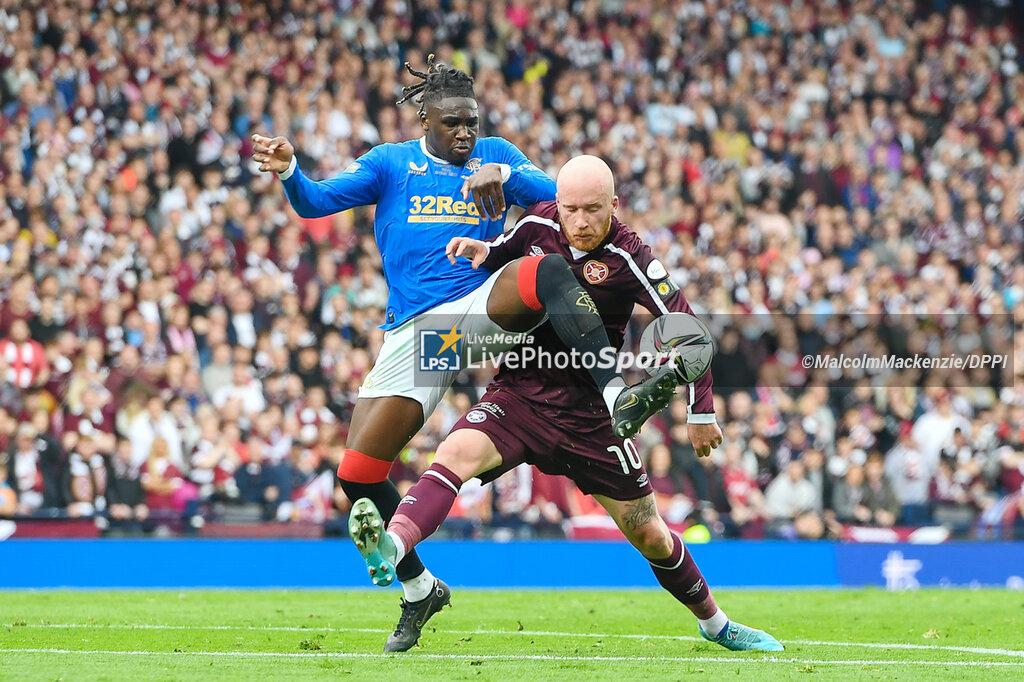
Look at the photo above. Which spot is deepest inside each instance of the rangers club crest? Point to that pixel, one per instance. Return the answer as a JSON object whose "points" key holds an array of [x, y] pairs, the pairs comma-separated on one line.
{"points": [[595, 271], [473, 165]]}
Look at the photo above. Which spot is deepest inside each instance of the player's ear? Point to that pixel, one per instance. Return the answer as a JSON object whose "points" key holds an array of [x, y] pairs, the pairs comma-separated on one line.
{"points": [[424, 121], [615, 202]]}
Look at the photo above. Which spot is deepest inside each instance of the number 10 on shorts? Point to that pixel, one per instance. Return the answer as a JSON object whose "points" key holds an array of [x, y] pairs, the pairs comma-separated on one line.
{"points": [[628, 452]]}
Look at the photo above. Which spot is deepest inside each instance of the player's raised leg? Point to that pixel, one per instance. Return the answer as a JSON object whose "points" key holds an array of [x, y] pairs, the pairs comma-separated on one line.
{"points": [[545, 284], [677, 572]]}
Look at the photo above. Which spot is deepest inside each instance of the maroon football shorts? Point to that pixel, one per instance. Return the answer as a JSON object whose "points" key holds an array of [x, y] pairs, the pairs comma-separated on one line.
{"points": [[579, 445]]}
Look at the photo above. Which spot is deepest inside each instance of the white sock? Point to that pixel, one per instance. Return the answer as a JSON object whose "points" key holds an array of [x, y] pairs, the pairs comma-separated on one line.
{"points": [[419, 587], [611, 392], [399, 547], [715, 624]]}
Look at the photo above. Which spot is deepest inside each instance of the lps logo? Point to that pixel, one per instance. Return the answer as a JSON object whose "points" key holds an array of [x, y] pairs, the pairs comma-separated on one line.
{"points": [[440, 351], [476, 416]]}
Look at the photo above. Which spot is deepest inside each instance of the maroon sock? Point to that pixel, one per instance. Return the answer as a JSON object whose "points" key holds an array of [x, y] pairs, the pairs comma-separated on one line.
{"points": [[425, 506], [680, 576]]}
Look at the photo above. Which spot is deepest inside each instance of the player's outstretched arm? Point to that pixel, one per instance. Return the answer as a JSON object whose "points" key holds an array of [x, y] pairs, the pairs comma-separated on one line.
{"points": [[358, 185], [274, 154]]}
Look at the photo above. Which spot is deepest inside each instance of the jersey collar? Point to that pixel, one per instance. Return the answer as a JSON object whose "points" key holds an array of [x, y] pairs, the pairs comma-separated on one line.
{"points": [[423, 148]]}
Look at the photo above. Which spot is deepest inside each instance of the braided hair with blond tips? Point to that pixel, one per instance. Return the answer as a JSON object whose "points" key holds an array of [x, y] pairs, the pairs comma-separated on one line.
{"points": [[440, 81]]}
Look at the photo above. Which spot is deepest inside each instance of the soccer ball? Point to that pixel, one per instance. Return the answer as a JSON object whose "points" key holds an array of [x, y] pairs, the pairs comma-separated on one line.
{"points": [[686, 337]]}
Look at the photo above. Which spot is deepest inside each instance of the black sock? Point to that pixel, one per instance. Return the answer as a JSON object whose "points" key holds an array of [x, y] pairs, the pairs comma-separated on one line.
{"points": [[385, 495], [574, 315]]}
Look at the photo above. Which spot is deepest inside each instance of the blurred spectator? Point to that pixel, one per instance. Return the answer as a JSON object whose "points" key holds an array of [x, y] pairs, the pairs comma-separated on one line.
{"points": [[848, 497], [674, 501], [260, 481], [218, 371], [24, 357], [25, 463], [910, 473], [934, 430], [792, 503], [879, 497], [8, 496], [51, 459], [1011, 472], [126, 498], [85, 478], [167, 491], [244, 389], [746, 502], [152, 423], [954, 494], [214, 460], [92, 416]]}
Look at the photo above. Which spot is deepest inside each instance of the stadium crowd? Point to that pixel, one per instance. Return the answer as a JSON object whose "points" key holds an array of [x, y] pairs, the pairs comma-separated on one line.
{"points": [[172, 334]]}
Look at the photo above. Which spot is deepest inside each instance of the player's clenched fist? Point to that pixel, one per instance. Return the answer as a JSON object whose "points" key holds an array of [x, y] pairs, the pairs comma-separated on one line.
{"points": [[272, 153], [465, 247]]}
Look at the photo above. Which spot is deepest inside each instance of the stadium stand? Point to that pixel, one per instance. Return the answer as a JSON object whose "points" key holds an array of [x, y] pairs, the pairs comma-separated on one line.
{"points": [[178, 348]]}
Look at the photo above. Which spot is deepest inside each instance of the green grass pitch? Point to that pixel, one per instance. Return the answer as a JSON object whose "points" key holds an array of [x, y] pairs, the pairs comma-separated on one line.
{"points": [[503, 635]]}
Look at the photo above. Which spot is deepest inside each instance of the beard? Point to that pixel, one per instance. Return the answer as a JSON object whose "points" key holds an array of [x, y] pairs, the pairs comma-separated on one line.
{"points": [[590, 242]]}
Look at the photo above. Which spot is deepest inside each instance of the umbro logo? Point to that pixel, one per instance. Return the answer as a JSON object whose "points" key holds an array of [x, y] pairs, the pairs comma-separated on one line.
{"points": [[642, 481], [695, 589], [408, 499], [536, 250], [417, 170]]}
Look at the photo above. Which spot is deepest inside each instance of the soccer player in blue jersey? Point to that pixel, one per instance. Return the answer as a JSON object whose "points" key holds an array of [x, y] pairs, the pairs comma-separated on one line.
{"points": [[421, 189]]}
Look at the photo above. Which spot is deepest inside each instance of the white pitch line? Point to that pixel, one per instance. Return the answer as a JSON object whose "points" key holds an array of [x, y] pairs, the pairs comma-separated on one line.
{"points": [[518, 657], [876, 645], [1014, 653], [809, 642]]}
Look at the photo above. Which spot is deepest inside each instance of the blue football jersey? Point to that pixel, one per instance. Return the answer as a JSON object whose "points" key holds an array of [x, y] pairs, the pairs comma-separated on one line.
{"points": [[419, 210]]}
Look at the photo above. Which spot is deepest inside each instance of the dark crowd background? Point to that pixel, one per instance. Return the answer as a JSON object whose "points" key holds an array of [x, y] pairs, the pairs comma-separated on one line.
{"points": [[178, 347]]}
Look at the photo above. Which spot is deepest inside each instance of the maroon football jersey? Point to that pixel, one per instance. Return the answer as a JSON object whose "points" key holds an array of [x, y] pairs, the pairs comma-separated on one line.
{"points": [[620, 272]]}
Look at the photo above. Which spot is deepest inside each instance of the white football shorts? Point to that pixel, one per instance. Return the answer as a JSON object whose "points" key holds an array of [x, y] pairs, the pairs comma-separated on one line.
{"points": [[408, 365]]}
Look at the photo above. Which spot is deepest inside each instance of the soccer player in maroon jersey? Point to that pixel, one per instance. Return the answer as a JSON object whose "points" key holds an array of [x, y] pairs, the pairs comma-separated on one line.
{"points": [[555, 418]]}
